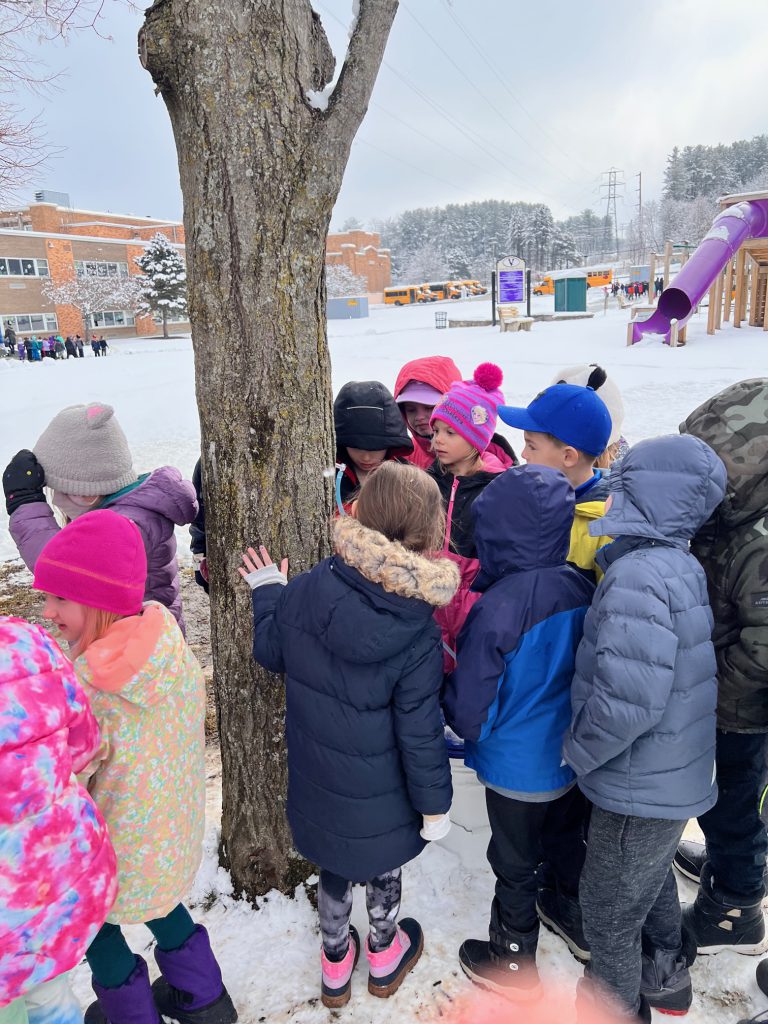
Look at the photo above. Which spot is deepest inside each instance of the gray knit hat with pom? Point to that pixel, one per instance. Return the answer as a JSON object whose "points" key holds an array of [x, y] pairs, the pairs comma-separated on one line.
{"points": [[84, 451]]}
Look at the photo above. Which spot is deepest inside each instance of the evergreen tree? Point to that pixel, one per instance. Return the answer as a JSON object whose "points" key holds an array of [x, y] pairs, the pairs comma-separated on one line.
{"points": [[165, 289], [675, 185]]}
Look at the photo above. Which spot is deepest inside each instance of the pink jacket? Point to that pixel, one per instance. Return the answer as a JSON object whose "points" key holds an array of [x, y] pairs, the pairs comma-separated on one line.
{"points": [[57, 867]]}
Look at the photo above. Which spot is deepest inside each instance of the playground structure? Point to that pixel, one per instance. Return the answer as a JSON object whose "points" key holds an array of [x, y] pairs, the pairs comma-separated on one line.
{"points": [[731, 263]]}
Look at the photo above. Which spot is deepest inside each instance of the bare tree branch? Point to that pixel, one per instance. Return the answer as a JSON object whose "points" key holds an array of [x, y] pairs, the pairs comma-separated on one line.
{"points": [[349, 101], [25, 25]]}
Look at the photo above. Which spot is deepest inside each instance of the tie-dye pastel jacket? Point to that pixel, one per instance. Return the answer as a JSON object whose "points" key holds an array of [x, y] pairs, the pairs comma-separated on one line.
{"points": [[147, 691], [57, 866]]}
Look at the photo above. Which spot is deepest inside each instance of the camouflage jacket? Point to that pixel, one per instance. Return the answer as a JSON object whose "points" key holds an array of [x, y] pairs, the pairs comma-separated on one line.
{"points": [[733, 549]]}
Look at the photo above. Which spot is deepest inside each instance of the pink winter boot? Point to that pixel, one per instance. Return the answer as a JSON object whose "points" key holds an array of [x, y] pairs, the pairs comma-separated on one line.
{"points": [[389, 967], [337, 976]]}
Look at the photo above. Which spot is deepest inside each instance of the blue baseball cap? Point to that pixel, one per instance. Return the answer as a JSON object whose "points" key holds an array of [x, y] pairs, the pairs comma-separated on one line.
{"points": [[574, 415]]}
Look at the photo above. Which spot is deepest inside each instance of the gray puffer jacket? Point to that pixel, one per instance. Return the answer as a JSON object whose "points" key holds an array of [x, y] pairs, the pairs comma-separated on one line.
{"points": [[642, 737]]}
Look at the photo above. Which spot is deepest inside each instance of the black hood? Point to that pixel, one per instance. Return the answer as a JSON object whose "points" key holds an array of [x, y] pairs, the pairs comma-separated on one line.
{"points": [[366, 416]]}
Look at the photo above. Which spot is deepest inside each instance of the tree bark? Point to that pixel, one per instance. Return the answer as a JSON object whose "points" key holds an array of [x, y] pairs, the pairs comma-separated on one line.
{"points": [[260, 171], [165, 323]]}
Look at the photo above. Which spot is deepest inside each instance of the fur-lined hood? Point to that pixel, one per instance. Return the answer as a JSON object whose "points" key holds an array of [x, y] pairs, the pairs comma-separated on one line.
{"points": [[394, 567]]}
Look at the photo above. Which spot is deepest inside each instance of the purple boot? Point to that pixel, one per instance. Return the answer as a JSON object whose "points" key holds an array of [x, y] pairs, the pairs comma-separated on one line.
{"points": [[191, 990], [129, 1003]]}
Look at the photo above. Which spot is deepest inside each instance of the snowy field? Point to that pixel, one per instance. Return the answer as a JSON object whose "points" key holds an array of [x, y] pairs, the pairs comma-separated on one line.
{"points": [[270, 956]]}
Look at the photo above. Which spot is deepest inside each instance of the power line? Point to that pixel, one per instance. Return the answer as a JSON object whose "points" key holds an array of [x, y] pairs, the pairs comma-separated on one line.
{"points": [[505, 85], [435, 142], [470, 134], [499, 113], [429, 174], [478, 141], [465, 130]]}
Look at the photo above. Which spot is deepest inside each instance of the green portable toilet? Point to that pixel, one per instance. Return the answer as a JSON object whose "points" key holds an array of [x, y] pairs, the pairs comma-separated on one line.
{"points": [[570, 291]]}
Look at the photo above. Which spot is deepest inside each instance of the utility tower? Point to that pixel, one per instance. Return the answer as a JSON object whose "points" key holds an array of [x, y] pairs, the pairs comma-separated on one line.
{"points": [[640, 224], [613, 180]]}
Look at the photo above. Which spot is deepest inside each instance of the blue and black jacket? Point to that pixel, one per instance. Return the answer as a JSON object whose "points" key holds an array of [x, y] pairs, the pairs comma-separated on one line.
{"points": [[510, 694]]}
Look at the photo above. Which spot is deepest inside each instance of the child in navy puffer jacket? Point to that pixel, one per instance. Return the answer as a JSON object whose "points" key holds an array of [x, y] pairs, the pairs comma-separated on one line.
{"points": [[368, 775], [510, 699]]}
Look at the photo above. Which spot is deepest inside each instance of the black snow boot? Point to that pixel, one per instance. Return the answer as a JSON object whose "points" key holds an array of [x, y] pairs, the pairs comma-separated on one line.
{"points": [[506, 964], [689, 859], [719, 920], [561, 913], [666, 982]]}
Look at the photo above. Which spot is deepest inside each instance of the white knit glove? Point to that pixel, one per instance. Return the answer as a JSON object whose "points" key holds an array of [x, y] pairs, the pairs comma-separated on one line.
{"points": [[264, 577], [436, 828]]}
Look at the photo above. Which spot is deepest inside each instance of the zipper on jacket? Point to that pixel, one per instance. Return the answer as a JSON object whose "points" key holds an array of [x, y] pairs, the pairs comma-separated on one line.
{"points": [[449, 514]]}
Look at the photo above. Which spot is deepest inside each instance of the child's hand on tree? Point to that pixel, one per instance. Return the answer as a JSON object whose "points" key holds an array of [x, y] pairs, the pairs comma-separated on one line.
{"points": [[260, 570]]}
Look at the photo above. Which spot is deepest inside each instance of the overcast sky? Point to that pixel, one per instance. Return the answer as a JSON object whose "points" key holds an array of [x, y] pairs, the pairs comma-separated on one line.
{"points": [[476, 99]]}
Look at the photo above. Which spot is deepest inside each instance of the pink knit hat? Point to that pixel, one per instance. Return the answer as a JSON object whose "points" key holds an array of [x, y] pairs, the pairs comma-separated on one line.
{"points": [[97, 560], [470, 406]]}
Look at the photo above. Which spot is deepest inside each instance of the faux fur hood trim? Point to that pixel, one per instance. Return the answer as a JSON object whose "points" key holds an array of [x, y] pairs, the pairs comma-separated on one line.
{"points": [[394, 567]]}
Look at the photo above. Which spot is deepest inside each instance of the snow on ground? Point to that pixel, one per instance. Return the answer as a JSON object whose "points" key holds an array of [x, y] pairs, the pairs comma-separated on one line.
{"points": [[269, 955]]}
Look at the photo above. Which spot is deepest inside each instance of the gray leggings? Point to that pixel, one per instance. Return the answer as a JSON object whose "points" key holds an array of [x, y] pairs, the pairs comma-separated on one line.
{"points": [[334, 904], [628, 897]]}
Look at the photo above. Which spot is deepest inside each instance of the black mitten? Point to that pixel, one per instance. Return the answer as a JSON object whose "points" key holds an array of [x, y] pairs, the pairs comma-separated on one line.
{"points": [[23, 480]]}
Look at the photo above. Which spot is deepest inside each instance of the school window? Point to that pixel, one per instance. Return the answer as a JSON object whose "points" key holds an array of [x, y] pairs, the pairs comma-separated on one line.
{"points": [[26, 322], [171, 318], [22, 267], [112, 318], [100, 268]]}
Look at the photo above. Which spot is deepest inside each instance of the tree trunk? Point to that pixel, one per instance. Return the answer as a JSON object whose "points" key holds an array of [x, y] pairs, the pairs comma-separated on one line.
{"points": [[165, 323], [260, 171]]}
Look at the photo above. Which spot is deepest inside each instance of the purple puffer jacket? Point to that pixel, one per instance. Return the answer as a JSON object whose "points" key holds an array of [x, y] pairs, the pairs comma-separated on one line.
{"points": [[161, 501]]}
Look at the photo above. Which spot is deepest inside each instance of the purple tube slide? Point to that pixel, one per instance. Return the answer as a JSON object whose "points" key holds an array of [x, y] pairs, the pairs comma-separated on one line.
{"points": [[730, 228]]}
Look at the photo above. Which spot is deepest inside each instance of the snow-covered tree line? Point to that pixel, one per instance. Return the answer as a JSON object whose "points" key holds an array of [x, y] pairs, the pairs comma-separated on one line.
{"points": [[712, 171], [462, 240]]}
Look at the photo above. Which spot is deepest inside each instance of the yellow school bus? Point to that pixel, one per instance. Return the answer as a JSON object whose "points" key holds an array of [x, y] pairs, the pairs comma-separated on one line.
{"points": [[599, 277], [444, 289], [406, 294], [544, 287], [474, 287]]}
